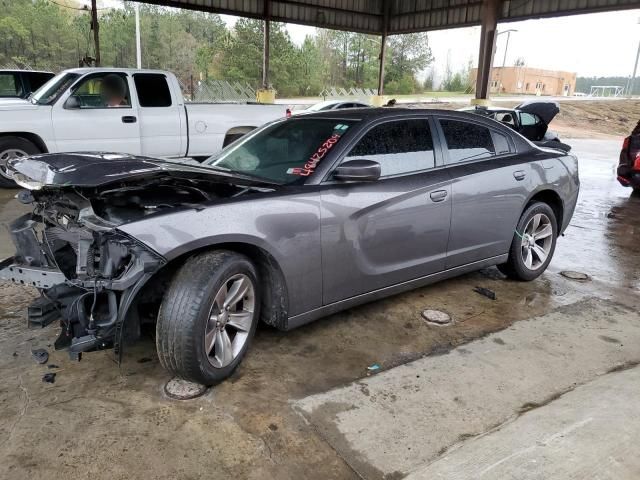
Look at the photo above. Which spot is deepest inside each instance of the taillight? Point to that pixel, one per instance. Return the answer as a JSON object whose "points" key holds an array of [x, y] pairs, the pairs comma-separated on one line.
{"points": [[288, 113], [636, 162]]}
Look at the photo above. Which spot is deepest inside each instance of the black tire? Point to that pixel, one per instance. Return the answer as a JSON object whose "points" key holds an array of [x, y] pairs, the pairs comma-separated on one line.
{"points": [[14, 143], [515, 267], [184, 313]]}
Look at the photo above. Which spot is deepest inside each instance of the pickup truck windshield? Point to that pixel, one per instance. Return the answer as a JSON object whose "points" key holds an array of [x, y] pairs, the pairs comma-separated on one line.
{"points": [[284, 151], [48, 93]]}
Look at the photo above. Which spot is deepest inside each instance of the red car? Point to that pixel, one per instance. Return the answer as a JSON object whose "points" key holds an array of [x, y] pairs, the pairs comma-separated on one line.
{"points": [[629, 165]]}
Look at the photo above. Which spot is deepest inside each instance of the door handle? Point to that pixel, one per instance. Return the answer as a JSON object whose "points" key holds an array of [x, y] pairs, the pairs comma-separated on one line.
{"points": [[519, 175], [438, 195], [129, 119]]}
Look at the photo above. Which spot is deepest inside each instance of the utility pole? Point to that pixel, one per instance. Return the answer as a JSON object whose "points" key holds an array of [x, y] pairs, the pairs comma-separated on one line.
{"points": [[633, 76], [96, 35], [138, 51], [506, 47]]}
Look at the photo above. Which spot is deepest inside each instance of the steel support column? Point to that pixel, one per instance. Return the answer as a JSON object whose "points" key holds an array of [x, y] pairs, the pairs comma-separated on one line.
{"points": [[490, 11], [383, 45], [383, 55], [265, 56]]}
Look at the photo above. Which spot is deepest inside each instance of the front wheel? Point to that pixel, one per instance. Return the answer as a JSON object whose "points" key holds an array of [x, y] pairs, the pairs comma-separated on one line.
{"points": [[533, 244], [208, 317], [10, 148]]}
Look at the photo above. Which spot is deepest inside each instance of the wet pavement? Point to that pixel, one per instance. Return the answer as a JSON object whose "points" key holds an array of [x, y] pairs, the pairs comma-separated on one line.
{"points": [[102, 420]]}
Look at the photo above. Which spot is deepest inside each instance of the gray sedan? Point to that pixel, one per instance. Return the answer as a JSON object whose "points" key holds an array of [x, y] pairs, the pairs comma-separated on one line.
{"points": [[299, 219]]}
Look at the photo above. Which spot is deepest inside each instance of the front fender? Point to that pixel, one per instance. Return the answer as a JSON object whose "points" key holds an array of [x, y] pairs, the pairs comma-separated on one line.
{"points": [[287, 228]]}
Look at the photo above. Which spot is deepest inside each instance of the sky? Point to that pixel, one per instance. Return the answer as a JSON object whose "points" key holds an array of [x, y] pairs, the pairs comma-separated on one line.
{"points": [[599, 44]]}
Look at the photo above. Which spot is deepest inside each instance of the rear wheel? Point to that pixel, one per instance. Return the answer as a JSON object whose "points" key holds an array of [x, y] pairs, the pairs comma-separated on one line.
{"points": [[533, 244], [208, 317], [10, 148]]}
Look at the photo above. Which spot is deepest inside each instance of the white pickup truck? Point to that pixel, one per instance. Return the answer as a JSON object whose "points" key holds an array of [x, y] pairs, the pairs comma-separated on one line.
{"points": [[80, 110]]}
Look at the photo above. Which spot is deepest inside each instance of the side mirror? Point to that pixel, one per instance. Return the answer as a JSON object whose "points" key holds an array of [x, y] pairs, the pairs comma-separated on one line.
{"points": [[357, 171], [72, 103]]}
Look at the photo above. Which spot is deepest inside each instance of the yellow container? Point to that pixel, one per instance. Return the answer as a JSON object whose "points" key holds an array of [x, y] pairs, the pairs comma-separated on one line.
{"points": [[266, 95], [481, 102], [378, 100]]}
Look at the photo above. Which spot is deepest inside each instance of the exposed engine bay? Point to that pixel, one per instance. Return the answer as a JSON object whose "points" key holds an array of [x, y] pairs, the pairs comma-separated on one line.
{"points": [[90, 274]]}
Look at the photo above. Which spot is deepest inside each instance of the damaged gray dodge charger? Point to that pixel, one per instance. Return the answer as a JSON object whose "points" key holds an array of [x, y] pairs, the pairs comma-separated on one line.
{"points": [[297, 220]]}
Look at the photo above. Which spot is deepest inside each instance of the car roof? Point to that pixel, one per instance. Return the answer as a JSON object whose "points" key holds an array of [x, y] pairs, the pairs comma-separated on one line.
{"points": [[113, 69], [487, 109], [17, 70], [372, 113]]}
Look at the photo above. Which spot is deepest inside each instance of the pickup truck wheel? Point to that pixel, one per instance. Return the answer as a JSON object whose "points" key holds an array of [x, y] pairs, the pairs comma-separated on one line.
{"points": [[208, 317], [533, 244], [232, 137], [10, 148]]}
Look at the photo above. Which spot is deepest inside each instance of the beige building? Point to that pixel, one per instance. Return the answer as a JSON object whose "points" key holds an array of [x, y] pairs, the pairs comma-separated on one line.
{"points": [[533, 81]]}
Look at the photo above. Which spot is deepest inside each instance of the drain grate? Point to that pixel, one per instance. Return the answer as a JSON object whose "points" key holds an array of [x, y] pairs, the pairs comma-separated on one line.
{"points": [[180, 389], [437, 317], [572, 275]]}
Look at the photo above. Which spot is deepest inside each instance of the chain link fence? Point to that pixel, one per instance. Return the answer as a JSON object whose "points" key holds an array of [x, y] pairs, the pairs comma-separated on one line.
{"points": [[210, 91], [17, 65], [339, 92]]}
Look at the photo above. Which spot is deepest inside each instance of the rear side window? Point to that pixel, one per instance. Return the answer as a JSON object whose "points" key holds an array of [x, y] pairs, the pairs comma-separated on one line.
{"points": [[399, 147], [37, 79], [467, 141], [9, 86], [153, 90], [528, 119]]}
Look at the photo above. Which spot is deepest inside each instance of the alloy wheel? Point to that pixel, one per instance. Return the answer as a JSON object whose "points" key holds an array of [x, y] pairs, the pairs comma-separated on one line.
{"points": [[537, 241], [230, 319], [9, 154]]}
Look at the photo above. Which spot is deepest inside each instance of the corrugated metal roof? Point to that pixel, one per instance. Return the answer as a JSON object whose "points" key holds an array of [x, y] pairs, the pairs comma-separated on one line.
{"points": [[402, 16]]}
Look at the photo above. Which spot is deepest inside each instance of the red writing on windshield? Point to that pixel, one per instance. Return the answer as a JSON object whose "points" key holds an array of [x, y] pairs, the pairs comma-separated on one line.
{"points": [[309, 167]]}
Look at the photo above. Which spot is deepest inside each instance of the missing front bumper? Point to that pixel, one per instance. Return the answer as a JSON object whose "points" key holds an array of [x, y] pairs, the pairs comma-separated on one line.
{"points": [[38, 277]]}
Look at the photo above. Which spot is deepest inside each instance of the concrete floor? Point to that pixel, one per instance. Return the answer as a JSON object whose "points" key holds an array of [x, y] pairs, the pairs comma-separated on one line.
{"points": [[103, 421]]}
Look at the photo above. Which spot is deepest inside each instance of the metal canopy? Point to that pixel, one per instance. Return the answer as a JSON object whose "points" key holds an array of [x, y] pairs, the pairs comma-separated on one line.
{"points": [[378, 17]]}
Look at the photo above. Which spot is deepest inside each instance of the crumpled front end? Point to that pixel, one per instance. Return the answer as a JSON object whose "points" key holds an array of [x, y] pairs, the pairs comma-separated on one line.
{"points": [[87, 271]]}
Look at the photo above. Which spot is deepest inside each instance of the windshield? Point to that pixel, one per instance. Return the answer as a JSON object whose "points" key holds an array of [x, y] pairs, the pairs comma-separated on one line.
{"points": [[51, 91], [283, 151]]}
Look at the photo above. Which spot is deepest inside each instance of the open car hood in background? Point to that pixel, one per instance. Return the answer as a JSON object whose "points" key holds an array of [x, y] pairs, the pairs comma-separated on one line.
{"points": [[546, 110]]}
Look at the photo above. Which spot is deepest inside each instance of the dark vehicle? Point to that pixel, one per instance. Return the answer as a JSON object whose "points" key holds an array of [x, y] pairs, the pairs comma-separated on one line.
{"points": [[297, 220], [531, 119], [629, 164], [21, 83]]}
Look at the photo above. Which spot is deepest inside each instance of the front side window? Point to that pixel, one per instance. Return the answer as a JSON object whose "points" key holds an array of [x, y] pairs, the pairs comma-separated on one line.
{"points": [[505, 117], [467, 141], [285, 151], [399, 147], [109, 90], [9, 85], [152, 89]]}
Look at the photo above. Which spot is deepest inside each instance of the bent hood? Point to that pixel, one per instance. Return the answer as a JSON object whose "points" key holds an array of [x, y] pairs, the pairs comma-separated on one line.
{"points": [[87, 169], [545, 110]]}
